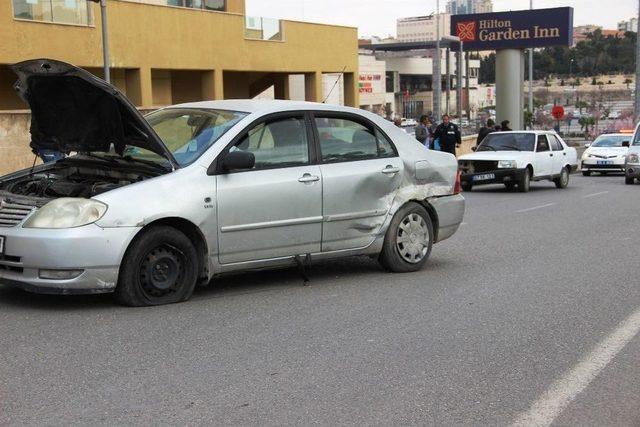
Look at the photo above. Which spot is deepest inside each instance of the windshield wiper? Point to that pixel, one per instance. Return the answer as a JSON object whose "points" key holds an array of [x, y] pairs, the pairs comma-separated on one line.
{"points": [[144, 162], [511, 146], [486, 146]]}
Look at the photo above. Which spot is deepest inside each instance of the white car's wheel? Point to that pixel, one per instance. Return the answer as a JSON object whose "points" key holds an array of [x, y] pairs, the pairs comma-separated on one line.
{"points": [[563, 180]]}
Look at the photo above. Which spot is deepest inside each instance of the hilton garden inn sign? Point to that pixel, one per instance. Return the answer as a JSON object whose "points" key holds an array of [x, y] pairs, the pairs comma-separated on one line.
{"points": [[515, 30]]}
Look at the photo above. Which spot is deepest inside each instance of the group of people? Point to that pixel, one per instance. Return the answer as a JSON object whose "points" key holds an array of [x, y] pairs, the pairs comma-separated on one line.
{"points": [[443, 137], [446, 136], [491, 127]]}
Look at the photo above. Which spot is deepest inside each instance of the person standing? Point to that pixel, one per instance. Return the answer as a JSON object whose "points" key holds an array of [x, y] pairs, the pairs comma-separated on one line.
{"points": [[504, 126], [398, 123], [485, 130], [423, 131], [449, 135]]}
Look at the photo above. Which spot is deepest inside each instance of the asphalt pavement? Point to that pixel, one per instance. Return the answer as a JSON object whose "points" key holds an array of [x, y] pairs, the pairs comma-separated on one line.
{"points": [[529, 313]]}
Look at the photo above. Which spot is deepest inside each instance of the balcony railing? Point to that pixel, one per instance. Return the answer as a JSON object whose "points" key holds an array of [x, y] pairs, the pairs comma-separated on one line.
{"points": [[263, 29]]}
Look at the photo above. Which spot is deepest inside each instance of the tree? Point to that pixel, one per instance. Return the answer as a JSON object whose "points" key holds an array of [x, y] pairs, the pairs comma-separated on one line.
{"points": [[627, 82], [528, 119], [594, 81]]}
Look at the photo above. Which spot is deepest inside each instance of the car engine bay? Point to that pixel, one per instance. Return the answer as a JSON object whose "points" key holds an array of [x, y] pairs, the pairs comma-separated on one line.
{"points": [[70, 180]]}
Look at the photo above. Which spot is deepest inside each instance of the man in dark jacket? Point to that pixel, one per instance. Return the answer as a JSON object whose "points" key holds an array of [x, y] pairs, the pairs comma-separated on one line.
{"points": [[449, 135], [485, 130], [504, 126]]}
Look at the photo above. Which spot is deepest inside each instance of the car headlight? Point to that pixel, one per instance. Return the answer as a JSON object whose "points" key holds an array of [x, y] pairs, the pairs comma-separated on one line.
{"points": [[67, 213], [633, 159], [507, 164]]}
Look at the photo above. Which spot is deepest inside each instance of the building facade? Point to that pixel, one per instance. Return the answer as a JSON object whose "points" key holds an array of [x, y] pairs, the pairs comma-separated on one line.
{"points": [[629, 25], [423, 28], [462, 7], [169, 51]]}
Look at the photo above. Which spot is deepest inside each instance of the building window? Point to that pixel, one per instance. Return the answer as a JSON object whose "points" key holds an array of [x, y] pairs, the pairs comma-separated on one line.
{"points": [[218, 5], [78, 12]]}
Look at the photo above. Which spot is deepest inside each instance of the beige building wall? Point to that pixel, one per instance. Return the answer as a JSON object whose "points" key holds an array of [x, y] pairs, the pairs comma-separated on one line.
{"points": [[144, 38]]}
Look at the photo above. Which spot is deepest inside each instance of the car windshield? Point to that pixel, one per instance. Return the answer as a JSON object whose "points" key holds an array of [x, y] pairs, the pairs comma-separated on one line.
{"points": [[187, 132], [610, 141], [508, 142]]}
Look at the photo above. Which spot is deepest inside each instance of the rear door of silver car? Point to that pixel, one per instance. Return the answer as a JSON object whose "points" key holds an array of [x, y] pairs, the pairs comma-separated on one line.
{"points": [[361, 172]]}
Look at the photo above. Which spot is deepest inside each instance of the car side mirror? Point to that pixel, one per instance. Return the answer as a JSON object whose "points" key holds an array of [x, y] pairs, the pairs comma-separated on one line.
{"points": [[474, 148], [625, 143], [238, 160]]}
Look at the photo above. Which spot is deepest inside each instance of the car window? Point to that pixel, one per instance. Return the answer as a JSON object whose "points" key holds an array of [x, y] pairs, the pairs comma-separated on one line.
{"points": [[556, 145], [543, 144], [509, 141], [277, 144], [187, 132], [610, 141], [347, 140]]}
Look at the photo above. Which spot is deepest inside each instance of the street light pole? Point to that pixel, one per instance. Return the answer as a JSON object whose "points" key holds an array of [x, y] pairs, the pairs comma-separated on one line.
{"points": [[437, 78], [637, 94], [530, 71], [105, 39]]}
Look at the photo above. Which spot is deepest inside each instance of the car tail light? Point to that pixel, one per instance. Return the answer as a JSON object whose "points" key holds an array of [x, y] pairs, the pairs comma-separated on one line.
{"points": [[457, 187]]}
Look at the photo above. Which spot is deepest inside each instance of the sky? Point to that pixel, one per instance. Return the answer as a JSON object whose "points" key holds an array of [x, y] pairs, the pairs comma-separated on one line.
{"points": [[378, 17]]}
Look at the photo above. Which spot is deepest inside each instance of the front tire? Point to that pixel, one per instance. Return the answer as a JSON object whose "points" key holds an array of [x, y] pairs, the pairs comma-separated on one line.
{"points": [[409, 239], [525, 182], [629, 180], [563, 180], [160, 267], [586, 173]]}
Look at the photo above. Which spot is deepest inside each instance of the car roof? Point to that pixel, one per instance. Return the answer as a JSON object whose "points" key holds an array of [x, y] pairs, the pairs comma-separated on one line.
{"points": [[264, 106], [533, 132]]}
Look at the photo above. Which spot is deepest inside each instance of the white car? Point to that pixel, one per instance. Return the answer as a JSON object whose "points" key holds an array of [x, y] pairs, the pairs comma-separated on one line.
{"points": [[517, 158], [606, 154]]}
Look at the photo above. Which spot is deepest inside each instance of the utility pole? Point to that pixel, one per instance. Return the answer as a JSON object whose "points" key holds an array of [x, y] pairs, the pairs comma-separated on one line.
{"points": [[105, 39], [637, 94], [530, 71], [437, 77]]}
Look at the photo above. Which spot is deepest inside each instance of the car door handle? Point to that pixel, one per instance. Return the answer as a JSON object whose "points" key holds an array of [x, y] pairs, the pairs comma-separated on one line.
{"points": [[390, 170], [564, 154], [307, 177], [551, 155]]}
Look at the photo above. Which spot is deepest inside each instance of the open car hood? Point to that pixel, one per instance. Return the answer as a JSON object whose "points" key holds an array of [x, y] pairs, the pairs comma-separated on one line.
{"points": [[72, 110]]}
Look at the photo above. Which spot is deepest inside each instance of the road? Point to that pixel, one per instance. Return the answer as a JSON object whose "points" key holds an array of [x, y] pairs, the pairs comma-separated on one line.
{"points": [[528, 314]]}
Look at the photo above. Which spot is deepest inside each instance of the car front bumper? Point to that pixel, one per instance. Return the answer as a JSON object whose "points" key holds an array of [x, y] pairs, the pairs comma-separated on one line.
{"points": [[591, 165], [500, 176], [94, 253]]}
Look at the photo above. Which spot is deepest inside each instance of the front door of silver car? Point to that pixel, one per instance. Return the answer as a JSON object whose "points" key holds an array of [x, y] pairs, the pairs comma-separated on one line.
{"points": [[361, 173], [273, 209]]}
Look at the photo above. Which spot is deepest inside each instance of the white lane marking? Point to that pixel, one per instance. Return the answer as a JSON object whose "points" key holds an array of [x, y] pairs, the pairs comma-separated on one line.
{"points": [[535, 207], [566, 388], [594, 194]]}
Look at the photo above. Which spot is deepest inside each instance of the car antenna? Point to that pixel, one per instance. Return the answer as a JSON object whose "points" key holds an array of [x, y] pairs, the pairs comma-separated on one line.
{"points": [[334, 85]]}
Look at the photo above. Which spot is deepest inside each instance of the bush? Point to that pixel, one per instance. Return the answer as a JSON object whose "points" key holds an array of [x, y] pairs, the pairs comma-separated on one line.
{"points": [[594, 82]]}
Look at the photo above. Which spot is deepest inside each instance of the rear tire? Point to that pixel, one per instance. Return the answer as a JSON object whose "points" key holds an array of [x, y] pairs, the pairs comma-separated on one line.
{"points": [[629, 180], [409, 240], [160, 267], [586, 173], [510, 186], [563, 180], [525, 182]]}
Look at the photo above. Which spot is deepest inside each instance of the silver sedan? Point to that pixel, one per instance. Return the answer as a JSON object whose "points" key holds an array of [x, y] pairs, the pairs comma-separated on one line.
{"points": [[147, 207]]}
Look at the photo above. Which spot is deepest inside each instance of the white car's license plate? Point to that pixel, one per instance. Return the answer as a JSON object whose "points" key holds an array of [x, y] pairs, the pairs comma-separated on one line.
{"points": [[484, 177], [605, 162], [1, 245]]}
